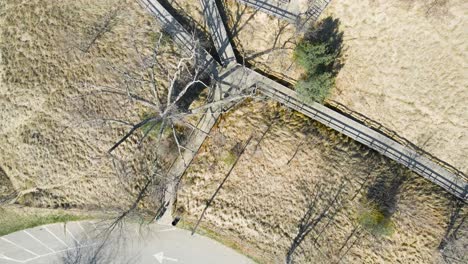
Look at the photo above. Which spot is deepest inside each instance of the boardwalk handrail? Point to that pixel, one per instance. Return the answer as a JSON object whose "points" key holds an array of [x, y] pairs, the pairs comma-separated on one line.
{"points": [[272, 9], [333, 119], [394, 135], [177, 31], [457, 186], [316, 9], [219, 34]]}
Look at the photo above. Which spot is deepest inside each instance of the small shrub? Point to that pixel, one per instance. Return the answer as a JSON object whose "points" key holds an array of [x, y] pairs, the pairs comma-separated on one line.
{"points": [[229, 158], [375, 222], [316, 88], [313, 57], [319, 53]]}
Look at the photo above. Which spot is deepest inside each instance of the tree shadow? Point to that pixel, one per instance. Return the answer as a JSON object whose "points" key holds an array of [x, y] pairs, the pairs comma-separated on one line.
{"points": [[453, 243], [7, 191], [322, 205], [327, 32], [100, 248], [383, 192], [192, 94]]}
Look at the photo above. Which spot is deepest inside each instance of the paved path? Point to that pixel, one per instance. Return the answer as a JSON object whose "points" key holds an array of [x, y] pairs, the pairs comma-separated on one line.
{"points": [[218, 32], [150, 244]]}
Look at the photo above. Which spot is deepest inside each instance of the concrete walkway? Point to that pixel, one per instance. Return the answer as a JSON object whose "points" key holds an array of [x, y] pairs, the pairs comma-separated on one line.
{"points": [[155, 243]]}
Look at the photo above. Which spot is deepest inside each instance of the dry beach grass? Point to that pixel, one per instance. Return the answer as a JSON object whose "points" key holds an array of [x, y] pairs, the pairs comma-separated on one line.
{"points": [[260, 205], [51, 145], [404, 65]]}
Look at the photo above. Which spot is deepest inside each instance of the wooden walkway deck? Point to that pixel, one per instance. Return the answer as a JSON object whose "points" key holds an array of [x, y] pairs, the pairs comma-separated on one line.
{"points": [[196, 138], [272, 9], [406, 156], [244, 78], [181, 36], [300, 18], [218, 32], [312, 14]]}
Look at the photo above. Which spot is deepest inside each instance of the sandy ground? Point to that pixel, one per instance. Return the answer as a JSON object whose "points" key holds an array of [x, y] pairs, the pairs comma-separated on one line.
{"points": [[51, 140], [261, 203]]}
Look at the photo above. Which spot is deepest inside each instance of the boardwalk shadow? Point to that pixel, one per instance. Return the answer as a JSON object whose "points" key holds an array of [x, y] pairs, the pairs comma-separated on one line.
{"points": [[191, 25], [192, 94]]}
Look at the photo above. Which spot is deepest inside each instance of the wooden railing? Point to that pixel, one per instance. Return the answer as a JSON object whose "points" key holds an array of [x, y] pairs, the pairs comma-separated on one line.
{"points": [[386, 146], [409, 157], [181, 36], [315, 10], [272, 10], [218, 31], [395, 136]]}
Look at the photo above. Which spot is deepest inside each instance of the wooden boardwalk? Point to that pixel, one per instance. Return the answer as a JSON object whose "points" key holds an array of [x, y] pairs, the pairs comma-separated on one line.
{"points": [[265, 6], [218, 32], [181, 36], [243, 78], [196, 138], [301, 19], [406, 156], [315, 10]]}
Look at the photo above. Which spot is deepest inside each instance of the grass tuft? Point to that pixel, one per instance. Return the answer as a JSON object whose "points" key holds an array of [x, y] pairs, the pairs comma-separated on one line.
{"points": [[11, 222], [375, 222]]}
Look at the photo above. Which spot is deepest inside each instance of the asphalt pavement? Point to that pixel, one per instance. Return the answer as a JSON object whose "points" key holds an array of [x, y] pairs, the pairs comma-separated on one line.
{"points": [[87, 242]]}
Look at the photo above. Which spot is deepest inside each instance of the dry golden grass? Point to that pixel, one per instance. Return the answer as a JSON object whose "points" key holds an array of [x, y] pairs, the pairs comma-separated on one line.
{"points": [[265, 42], [261, 203], [406, 68], [404, 65], [48, 138]]}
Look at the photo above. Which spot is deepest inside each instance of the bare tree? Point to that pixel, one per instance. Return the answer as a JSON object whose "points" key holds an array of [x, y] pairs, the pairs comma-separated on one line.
{"points": [[453, 244], [208, 203], [166, 86], [315, 213]]}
